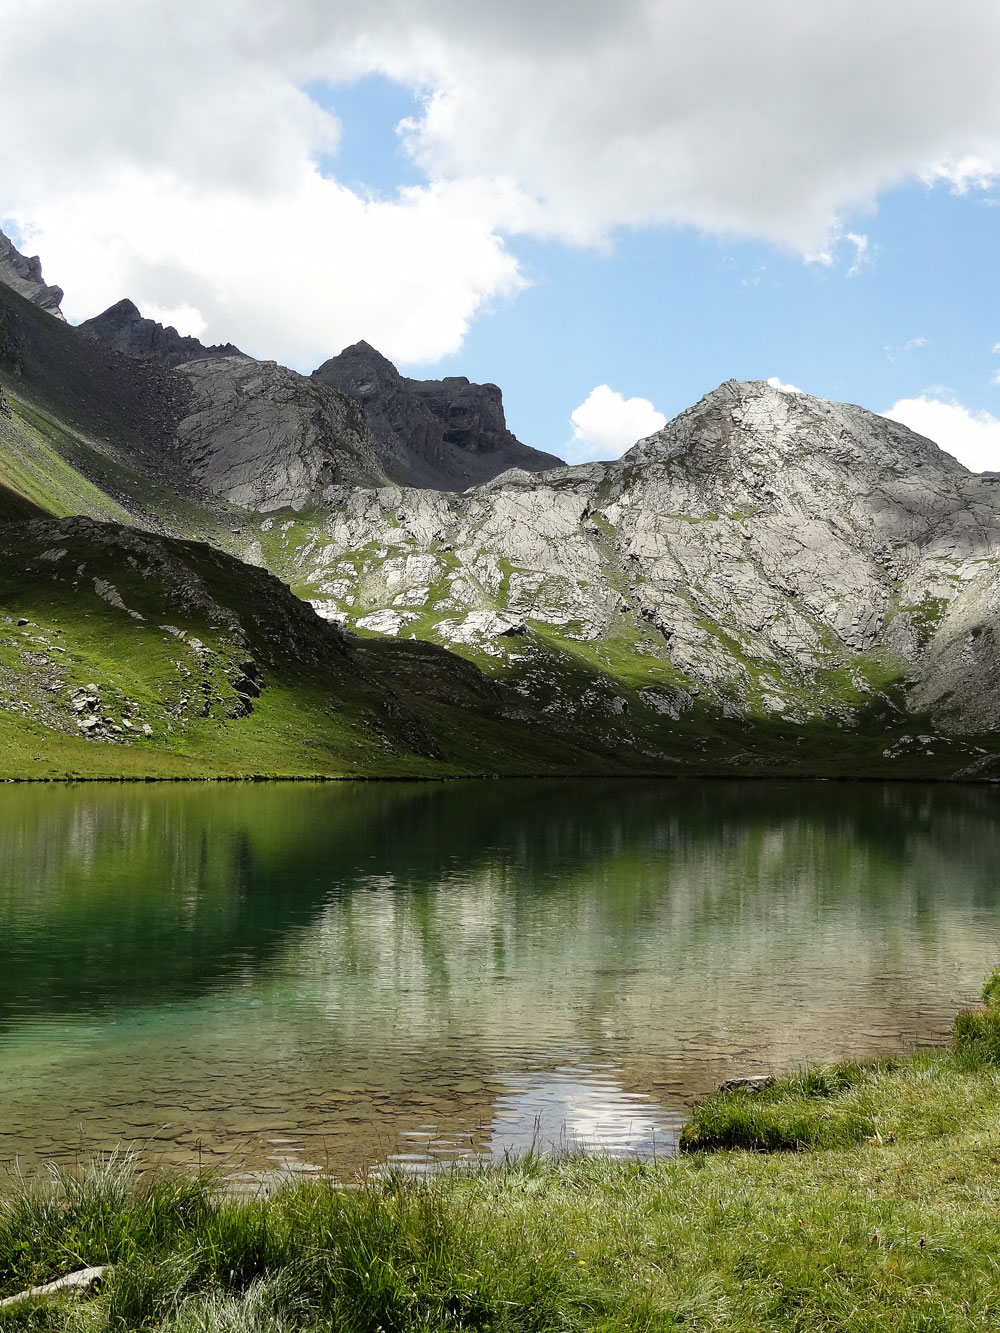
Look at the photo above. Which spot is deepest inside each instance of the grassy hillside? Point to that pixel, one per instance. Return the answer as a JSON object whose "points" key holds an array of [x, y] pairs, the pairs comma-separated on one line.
{"points": [[128, 654], [89, 433], [90, 429]]}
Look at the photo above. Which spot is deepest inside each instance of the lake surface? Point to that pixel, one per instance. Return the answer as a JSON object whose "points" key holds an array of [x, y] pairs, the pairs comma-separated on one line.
{"points": [[332, 977]]}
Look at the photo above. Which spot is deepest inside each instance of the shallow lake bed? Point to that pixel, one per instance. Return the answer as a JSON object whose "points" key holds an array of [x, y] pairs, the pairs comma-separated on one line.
{"points": [[330, 977]]}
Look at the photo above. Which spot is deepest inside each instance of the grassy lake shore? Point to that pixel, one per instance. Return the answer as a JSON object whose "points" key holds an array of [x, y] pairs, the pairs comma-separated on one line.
{"points": [[858, 1197]]}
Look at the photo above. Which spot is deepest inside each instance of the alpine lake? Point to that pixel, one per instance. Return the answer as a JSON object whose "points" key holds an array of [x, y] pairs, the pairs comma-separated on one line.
{"points": [[336, 978]]}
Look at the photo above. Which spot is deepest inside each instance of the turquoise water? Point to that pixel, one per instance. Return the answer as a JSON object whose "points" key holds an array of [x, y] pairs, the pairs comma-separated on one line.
{"points": [[328, 977]]}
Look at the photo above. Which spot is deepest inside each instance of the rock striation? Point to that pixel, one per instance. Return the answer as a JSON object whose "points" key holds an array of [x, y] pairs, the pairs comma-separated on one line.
{"points": [[124, 329], [447, 434], [767, 561], [24, 275], [767, 552], [265, 438]]}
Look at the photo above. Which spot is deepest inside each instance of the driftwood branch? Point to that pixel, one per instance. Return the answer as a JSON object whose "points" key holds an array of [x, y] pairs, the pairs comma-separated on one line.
{"points": [[78, 1283]]}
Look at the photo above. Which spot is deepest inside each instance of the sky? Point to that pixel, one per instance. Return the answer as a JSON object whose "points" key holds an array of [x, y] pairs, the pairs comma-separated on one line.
{"points": [[606, 210]]}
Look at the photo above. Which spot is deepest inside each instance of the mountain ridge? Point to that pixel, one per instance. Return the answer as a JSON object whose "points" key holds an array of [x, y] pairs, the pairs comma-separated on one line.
{"points": [[770, 583], [24, 274], [123, 328]]}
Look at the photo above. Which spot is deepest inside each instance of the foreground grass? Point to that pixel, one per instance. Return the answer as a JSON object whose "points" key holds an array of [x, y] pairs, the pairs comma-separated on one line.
{"points": [[883, 1212]]}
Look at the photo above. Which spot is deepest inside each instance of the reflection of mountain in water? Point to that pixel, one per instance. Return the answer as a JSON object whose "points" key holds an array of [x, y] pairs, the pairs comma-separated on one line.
{"points": [[125, 896], [319, 970]]}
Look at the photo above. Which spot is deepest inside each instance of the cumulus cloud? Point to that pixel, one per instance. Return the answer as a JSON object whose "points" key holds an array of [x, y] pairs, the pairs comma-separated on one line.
{"points": [[564, 120], [775, 383], [296, 275], [733, 117], [971, 437], [606, 424]]}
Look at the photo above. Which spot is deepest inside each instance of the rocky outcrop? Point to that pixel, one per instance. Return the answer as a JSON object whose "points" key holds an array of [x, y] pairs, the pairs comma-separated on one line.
{"points": [[24, 275], [448, 434], [769, 553], [265, 438], [123, 328]]}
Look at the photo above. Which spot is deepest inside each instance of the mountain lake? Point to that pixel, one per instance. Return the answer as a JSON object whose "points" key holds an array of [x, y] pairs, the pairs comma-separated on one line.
{"points": [[305, 978]]}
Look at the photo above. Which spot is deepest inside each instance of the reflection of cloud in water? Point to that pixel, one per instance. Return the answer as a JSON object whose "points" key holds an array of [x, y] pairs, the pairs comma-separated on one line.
{"points": [[578, 1108], [571, 1108]]}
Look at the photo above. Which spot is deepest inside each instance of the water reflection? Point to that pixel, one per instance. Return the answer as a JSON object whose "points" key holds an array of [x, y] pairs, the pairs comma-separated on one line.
{"points": [[303, 977], [571, 1108]]}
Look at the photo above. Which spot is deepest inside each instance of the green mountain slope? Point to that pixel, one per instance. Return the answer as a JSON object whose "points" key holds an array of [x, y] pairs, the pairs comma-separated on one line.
{"points": [[90, 431], [125, 653], [771, 584]]}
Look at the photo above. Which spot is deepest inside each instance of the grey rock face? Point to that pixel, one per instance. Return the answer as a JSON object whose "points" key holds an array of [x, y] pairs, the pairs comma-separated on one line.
{"points": [[448, 434], [265, 438], [262, 436], [123, 328], [24, 275], [767, 551]]}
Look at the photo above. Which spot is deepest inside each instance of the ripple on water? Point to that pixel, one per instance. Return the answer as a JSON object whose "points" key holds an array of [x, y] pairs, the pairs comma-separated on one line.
{"points": [[284, 980]]}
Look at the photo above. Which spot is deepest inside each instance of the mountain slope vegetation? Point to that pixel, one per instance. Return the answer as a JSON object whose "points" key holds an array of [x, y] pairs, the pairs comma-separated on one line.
{"points": [[771, 583]]}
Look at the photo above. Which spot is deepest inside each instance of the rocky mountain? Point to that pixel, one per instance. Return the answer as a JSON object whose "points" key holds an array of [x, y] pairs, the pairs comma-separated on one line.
{"points": [[24, 275], [123, 328], [770, 583], [257, 435], [446, 434], [129, 654], [767, 555]]}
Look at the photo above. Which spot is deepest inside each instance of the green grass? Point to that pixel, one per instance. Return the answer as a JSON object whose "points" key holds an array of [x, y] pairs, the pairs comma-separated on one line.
{"points": [[380, 707], [862, 1197]]}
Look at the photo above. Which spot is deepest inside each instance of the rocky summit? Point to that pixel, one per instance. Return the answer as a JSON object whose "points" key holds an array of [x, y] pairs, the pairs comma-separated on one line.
{"points": [[123, 328], [770, 552], [771, 583], [447, 433], [24, 275]]}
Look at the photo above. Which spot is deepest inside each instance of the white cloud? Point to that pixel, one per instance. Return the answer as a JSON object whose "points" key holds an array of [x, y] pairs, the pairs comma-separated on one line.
{"points": [[827, 255], [971, 437], [567, 119], [775, 383], [962, 174], [294, 276], [996, 349], [892, 353], [606, 424], [728, 116], [862, 253]]}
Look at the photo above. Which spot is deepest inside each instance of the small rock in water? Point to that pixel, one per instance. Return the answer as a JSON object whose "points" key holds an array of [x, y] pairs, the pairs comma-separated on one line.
{"points": [[750, 1083]]}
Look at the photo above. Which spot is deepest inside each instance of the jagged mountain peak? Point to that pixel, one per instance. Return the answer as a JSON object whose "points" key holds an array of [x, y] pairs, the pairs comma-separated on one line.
{"points": [[24, 274], [449, 433], [755, 425], [360, 370], [123, 328]]}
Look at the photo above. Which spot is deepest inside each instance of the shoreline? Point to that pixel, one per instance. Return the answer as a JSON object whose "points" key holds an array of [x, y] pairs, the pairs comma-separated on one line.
{"points": [[858, 1196]]}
